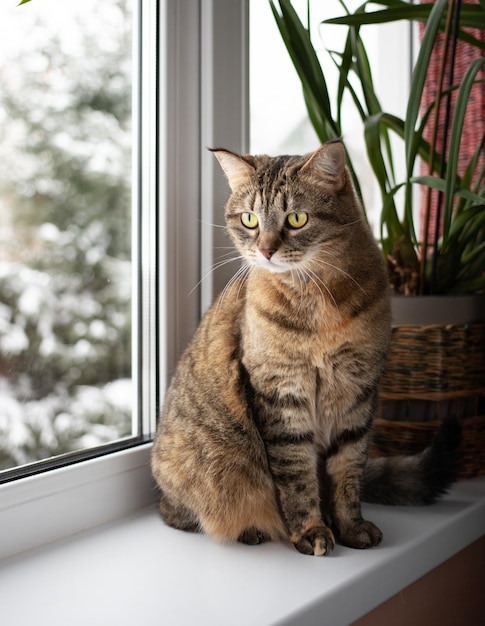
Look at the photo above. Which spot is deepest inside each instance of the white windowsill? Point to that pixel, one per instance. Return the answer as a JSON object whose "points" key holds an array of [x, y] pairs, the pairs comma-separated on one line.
{"points": [[45, 507], [138, 571]]}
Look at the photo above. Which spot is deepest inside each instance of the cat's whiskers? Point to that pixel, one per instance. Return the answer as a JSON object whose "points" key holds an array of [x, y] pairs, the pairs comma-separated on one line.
{"points": [[320, 261], [353, 222], [304, 278], [315, 278], [223, 226], [243, 273], [231, 251], [299, 274], [217, 265]]}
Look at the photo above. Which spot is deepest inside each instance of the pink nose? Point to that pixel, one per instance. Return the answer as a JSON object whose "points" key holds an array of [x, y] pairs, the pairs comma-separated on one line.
{"points": [[268, 253]]}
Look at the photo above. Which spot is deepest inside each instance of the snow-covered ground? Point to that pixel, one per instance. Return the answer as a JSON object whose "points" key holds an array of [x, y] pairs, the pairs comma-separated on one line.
{"points": [[35, 429]]}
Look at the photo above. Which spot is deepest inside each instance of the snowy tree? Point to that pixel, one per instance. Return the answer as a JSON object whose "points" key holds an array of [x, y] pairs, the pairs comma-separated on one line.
{"points": [[65, 235]]}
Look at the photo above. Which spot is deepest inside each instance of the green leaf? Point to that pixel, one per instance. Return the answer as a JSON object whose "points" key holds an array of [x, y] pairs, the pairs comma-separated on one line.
{"points": [[474, 254], [372, 135], [302, 53], [419, 76], [344, 69], [467, 223], [390, 220], [471, 15], [441, 184], [344, 83], [471, 230], [404, 12]]}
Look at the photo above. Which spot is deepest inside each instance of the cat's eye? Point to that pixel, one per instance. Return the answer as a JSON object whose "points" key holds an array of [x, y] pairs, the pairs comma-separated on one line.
{"points": [[249, 220], [297, 220]]}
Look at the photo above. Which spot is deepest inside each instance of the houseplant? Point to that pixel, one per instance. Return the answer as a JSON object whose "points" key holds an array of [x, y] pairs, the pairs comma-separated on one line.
{"points": [[428, 374]]}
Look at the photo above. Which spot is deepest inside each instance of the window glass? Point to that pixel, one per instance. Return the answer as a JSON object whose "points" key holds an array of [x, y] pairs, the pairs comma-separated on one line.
{"points": [[65, 227]]}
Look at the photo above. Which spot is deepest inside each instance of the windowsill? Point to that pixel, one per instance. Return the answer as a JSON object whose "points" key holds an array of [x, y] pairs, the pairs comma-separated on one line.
{"points": [[138, 571]]}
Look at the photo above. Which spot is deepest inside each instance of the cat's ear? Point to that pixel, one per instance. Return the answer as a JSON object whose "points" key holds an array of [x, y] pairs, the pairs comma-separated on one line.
{"points": [[237, 170], [327, 164]]}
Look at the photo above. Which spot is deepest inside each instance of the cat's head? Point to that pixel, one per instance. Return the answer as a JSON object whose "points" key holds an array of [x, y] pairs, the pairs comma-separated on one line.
{"points": [[283, 211]]}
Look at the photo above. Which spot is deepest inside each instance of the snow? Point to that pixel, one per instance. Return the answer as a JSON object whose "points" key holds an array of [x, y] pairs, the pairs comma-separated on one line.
{"points": [[120, 393], [35, 424], [98, 329], [34, 429], [30, 300], [14, 341], [49, 232], [65, 288]]}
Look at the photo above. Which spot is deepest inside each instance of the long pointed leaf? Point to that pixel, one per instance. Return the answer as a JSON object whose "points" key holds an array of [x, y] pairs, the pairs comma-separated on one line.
{"points": [[441, 185], [471, 15], [302, 53], [420, 73]]}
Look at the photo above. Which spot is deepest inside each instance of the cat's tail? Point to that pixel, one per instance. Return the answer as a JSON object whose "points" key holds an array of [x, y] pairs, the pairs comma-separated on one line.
{"points": [[418, 479]]}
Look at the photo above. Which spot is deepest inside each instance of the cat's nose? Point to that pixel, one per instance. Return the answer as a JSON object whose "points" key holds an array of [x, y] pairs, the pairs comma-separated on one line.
{"points": [[267, 252]]}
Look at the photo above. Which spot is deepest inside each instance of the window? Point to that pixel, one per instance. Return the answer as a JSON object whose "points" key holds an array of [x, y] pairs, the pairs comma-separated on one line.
{"points": [[189, 73], [68, 221]]}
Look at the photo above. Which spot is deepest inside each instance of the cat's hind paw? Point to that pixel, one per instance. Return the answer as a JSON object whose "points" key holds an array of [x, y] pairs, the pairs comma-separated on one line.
{"points": [[317, 541], [253, 537]]}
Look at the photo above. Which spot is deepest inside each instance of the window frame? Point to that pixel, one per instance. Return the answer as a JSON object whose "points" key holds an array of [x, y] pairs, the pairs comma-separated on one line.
{"points": [[198, 99]]}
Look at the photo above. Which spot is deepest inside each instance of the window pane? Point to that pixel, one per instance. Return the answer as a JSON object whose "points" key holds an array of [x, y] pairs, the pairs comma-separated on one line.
{"points": [[65, 227]]}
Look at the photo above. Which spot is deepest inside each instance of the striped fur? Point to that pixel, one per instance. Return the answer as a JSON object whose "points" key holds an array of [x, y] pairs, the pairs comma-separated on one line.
{"points": [[265, 426]]}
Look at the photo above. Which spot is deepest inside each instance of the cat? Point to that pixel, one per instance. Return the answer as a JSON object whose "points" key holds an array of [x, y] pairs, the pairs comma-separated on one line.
{"points": [[265, 427]]}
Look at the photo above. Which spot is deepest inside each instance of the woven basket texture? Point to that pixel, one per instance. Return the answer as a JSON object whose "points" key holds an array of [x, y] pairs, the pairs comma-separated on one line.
{"points": [[433, 372]]}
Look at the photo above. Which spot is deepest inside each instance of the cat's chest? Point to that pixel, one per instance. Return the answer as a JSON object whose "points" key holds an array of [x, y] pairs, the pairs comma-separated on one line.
{"points": [[318, 343], [333, 358]]}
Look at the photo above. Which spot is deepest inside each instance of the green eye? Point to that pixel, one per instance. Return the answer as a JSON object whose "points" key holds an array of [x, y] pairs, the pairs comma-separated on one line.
{"points": [[297, 220], [249, 220]]}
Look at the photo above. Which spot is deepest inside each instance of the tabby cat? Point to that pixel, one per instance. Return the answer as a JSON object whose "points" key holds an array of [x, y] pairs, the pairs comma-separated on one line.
{"points": [[265, 427]]}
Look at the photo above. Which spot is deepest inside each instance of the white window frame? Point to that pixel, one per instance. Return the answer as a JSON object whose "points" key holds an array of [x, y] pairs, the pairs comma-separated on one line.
{"points": [[201, 103]]}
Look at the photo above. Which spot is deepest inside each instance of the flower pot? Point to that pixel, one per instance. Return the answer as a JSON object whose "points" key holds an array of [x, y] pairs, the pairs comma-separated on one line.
{"points": [[435, 369]]}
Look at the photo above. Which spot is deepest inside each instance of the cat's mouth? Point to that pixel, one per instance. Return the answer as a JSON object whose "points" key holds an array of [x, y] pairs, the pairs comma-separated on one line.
{"points": [[274, 263]]}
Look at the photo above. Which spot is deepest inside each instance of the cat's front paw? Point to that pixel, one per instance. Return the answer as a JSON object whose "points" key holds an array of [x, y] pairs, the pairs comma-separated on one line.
{"points": [[361, 535], [316, 541]]}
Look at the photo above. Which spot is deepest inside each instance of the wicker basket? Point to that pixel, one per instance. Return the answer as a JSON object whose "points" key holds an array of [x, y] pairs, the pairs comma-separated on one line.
{"points": [[432, 372]]}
